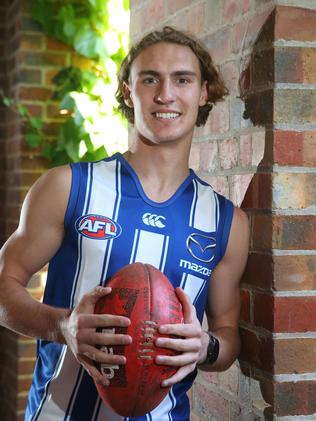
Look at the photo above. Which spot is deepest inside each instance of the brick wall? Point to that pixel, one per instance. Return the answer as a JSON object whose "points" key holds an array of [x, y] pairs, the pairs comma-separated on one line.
{"points": [[28, 62], [259, 152], [279, 292]]}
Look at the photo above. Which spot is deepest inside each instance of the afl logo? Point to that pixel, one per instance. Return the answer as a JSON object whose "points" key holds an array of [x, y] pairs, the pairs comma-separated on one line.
{"points": [[97, 227]]}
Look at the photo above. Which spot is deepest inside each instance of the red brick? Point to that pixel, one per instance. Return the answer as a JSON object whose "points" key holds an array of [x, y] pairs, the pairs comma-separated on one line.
{"points": [[208, 155], [27, 349], [30, 76], [206, 402], [219, 44], [239, 186], [259, 270], [245, 150], [285, 314], [35, 110], [295, 398], [32, 42], [34, 93], [24, 384], [218, 120], [294, 356], [245, 307], [256, 350], [210, 377], [22, 401], [294, 190], [28, 179], [51, 129], [228, 153], [284, 232], [230, 74], [232, 9], [152, 12], [196, 18], [47, 58], [219, 183], [295, 23], [175, 5], [55, 45], [295, 148], [305, 109], [259, 192], [295, 272]]}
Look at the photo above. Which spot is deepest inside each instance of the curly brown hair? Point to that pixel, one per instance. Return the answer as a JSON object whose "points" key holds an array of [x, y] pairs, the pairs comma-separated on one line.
{"points": [[215, 85]]}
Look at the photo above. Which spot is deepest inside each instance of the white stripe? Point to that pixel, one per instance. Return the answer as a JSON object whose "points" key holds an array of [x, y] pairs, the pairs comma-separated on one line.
{"points": [[150, 248], [161, 412], [75, 393], [79, 239], [165, 252], [184, 275], [205, 221], [119, 196], [193, 286], [102, 202], [93, 251], [217, 211], [136, 235], [60, 389], [193, 204]]}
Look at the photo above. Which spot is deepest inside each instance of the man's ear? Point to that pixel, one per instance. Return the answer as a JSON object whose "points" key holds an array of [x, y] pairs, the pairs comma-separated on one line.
{"points": [[127, 95], [204, 94]]}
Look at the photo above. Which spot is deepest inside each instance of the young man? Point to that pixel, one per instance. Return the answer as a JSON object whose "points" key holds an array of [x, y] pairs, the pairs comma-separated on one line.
{"points": [[147, 206]]}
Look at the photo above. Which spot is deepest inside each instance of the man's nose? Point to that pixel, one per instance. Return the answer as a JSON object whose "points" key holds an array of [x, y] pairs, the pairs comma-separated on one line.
{"points": [[165, 93]]}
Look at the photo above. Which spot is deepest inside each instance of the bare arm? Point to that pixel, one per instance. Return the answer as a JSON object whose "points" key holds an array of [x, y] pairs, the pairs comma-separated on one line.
{"points": [[222, 312], [36, 240], [224, 296], [34, 243]]}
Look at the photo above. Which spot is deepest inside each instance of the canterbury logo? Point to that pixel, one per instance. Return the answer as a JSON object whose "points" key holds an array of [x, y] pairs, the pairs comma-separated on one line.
{"points": [[154, 220]]}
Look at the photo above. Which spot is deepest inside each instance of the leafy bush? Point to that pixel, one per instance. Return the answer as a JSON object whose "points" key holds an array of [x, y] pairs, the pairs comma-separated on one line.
{"points": [[97, 30]]}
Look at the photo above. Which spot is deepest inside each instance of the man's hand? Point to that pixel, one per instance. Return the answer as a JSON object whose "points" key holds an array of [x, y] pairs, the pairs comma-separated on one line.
{"points": [[189, 343], [79, 331]]}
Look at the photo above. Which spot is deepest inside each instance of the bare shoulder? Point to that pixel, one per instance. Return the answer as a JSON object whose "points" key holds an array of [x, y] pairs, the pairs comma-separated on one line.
{"points": [[238, 243], [49, 195]]}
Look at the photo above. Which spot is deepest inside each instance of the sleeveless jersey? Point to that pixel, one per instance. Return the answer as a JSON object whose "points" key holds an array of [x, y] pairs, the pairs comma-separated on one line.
{"points": [[110, 222]]}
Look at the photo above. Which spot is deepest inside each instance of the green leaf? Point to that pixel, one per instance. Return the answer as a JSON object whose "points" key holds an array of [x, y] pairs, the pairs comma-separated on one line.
{"points": [[67, 103], [23, 111], [96, 155], [85, 42], [36, 122], [33, 139], [8, 102]]}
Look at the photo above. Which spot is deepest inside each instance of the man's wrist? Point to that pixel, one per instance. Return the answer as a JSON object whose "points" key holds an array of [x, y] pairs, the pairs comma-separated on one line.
{"points": [[212, 350]]}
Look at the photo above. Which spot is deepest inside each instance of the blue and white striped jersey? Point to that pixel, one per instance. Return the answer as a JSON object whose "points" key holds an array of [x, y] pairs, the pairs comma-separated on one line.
{"points": [[109, 223]]}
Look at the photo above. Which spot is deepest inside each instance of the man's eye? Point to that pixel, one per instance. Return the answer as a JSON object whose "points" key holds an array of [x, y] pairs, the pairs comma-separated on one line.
{"points": [[183, 81], [149, 81]]}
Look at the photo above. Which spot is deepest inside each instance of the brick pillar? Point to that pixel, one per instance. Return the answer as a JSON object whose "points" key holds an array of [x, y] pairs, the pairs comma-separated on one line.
{"points": [[279, 322], [28, 62], [270, 53]]}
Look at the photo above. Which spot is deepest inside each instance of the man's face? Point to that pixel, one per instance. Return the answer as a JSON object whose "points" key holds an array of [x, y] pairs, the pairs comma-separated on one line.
{"points": [[165, 91]]}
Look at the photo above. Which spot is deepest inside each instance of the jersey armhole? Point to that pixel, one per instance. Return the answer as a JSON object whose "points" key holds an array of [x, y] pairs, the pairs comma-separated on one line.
{"points": [[74, 194], [225, 225]]}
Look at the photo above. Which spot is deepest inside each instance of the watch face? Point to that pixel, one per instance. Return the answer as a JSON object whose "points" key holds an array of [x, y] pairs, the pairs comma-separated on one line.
{"points": [[212, 349]]}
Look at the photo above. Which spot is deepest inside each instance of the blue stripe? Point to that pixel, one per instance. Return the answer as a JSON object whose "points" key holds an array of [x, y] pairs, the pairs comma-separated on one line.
{"points": [[81, 239], [173, 405]]}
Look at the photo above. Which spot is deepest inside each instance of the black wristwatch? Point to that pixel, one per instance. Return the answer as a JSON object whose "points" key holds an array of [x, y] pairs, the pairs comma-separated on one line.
{"points": [[212, 350]]}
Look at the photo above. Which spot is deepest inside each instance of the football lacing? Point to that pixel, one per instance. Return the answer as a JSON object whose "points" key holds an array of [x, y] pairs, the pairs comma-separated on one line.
{"points": [[149, 329]]}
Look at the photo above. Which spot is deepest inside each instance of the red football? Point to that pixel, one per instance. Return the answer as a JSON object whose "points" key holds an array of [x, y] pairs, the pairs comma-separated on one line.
{"points": [[144, 295]]}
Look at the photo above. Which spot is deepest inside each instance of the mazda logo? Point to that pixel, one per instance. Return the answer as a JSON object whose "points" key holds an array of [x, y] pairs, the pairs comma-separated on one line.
{"points": [[201, 247]]}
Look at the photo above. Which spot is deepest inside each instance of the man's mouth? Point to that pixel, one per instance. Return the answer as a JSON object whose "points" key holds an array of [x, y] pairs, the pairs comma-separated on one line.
{"points": [[167, 116]]}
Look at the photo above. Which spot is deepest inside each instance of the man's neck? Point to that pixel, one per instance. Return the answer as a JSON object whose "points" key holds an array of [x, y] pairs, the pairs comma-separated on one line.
{"points": [[161, 170]]}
